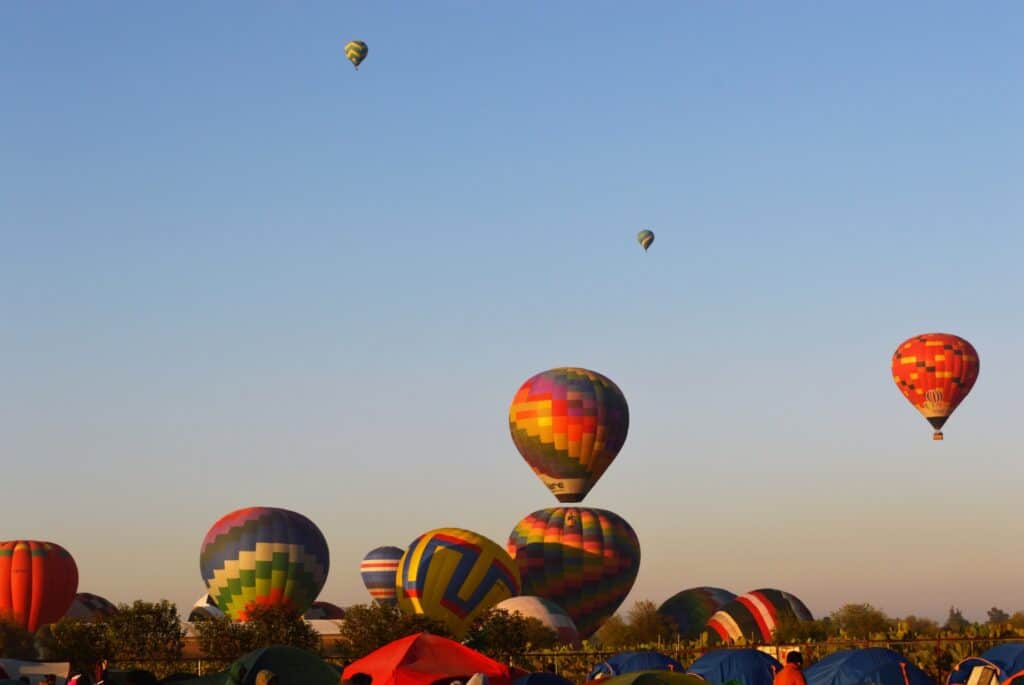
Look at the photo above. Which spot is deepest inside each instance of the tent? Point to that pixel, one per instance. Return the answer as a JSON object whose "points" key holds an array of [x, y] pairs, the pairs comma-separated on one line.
{"points": [[1001, 663], [654, 678], [292, 666], [744, 666], [631, 662], [423, 658], [874, 665]]}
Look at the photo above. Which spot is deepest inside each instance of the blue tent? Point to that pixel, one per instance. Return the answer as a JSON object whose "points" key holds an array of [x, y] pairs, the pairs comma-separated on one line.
{"points": [[874, 665], [1007, 660], [630, 662], [745, 666]]}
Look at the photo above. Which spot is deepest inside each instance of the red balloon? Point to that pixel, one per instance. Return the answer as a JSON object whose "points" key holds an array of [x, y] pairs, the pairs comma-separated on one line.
{"points": [[38, 582]]}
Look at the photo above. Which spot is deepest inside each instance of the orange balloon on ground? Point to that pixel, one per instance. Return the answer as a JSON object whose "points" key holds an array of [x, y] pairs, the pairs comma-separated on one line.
{"points": [[38, 582], [935, 371]]}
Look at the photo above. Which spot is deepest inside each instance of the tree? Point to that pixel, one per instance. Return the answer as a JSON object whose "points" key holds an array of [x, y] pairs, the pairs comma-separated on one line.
{"points": [[918, 626], [956, 621], [860, 621], [997, 616], [83, 644], [221, 638], [614, 633], [790, 630], [15, 641], [1017, 620], [145, 631], [370, 626], [501, 634], [647, 626]]}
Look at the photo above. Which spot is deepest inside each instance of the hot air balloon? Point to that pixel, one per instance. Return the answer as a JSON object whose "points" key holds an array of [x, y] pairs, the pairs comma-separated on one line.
{"points": [[645, 238], [569, 424], [264, 555], [356, 51], [691, 609], [584, 560], [378, 570], [754, 615], [454, 575], [935, 371], [38, 581], [552, 616], [324, 611], [89, 607], [204, 609]]}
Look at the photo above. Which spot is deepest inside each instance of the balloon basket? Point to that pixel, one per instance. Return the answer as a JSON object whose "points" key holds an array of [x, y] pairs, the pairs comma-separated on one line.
{"points": [[937, 435]]}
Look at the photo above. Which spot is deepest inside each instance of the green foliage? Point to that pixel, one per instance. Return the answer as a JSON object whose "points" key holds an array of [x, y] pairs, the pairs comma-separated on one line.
{"points": [[1017, 620], [646, 625], [861, 621], [790, 630], [15, 641], [146, 635], [83, 644], [998, 616], [956, 621], [913, 627], [370, 626], [613, 634], [225, 640], [501, 634]]}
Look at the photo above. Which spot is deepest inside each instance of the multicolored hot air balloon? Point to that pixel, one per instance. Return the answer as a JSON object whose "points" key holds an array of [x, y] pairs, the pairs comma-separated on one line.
{"points": [[264, 555], [378, 569], [89, 607], [645, 238], [584, 560], [754, 615], [691, 609], [935, 371], [454, 575], [38, 581], [569, 424], [204, 609], [552, 616], [356, 51]]}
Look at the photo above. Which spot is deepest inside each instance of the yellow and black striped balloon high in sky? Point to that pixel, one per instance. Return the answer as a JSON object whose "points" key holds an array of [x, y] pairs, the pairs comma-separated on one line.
{"points": [[356, 51]]}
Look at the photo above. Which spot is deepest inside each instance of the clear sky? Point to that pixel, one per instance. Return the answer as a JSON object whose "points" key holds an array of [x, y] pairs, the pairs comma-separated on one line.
{"points": [[234, 271]]}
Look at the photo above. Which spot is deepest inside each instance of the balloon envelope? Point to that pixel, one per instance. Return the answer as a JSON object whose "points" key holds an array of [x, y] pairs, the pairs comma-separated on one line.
{"points": [[755, 615], [89, 607], [356, 51], [935, 371], [569, 424], [552, 616], [645, 238], [454, 575], [264, 555], [584, 560], [38, 581], [378, 570], [691, 609], [320, 611]]}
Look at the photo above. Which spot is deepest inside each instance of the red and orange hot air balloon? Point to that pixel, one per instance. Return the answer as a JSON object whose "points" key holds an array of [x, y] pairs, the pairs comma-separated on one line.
{"points": [[38, 582], [935, 371]]}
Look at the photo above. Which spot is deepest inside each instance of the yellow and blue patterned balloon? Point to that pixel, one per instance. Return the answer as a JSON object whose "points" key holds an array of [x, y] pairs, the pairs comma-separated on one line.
{"points": [[645, 238], [356, 51], [453, 575]]}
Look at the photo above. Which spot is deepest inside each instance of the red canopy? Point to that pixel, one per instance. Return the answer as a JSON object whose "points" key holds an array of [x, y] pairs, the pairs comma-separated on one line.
{"points": [[423, 658]]}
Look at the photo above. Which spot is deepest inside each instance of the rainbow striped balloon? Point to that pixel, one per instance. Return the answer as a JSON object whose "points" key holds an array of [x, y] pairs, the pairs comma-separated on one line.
{"points": [[454, 575], [264, 555], [584, 560], [569, 424], [378, 570], [691, 609], [754, 615]]}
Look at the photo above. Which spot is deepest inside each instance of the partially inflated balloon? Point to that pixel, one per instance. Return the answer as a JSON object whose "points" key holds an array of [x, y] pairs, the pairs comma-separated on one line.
{"points": [[691, 609], [754, 616], [378, 570], [356, 51], [454, 575], [38, 581], [324, 611], [935, 371], [584, 560], [645, 238], [89, 607], [569, 424], [551, 616], [265, 556]]}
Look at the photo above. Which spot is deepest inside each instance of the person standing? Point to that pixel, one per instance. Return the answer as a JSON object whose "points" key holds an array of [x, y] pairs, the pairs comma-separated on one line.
{"points": [[792, 672]]}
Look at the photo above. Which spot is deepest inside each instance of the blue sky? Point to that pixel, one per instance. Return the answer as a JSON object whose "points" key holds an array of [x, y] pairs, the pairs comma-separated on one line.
{"points": [[236, 272]]}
